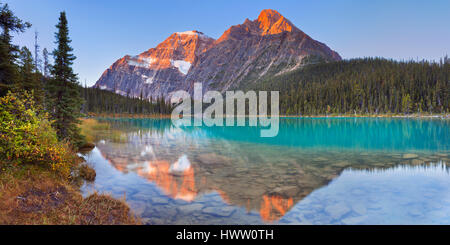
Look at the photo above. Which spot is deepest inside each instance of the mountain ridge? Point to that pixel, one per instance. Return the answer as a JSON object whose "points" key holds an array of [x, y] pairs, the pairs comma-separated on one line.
{"points": [[268, 45]]}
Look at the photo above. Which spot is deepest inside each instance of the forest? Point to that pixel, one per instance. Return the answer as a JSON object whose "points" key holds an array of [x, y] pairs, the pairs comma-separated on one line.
{"points": [[100, 101], [362, 86], [368, 86]]}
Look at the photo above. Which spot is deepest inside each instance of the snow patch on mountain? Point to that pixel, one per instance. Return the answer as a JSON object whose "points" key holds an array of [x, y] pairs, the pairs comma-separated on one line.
{"points": [[195, 33], [147, 79], [183, 66], [121, 92], [140, 62], [187, 33]]}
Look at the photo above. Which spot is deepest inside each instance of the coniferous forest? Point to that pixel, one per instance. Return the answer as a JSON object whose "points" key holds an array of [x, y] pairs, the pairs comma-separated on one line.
{"points": [[363, 86], [357, 86], [102, 101]]}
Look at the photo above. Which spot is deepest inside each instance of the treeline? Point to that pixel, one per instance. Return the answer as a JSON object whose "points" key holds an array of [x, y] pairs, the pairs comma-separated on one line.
{"points": [[102, 101], [363, 86]]}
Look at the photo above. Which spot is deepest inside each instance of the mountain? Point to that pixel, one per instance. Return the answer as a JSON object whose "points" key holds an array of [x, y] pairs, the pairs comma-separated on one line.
{"points": [[157, 71], [245, 53]]}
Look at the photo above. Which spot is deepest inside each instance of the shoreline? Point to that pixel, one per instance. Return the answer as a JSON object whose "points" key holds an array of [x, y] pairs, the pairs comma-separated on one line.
{"points": [[35, 195], [166, 116], [126, 115], [442, 116]]}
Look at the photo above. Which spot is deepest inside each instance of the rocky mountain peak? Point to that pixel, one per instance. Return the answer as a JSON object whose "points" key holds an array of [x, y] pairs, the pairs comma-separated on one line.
{"points": [[271, 22], [269, 14]]}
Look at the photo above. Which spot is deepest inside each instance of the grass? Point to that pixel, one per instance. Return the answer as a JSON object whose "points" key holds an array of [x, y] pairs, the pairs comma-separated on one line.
{"points": [[32, 195], [87, 172], [128, 115], [94, 130], [89, 126]]}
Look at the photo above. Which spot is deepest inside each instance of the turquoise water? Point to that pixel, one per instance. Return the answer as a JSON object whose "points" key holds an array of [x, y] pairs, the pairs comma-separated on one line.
{"points": [[316, 171]]}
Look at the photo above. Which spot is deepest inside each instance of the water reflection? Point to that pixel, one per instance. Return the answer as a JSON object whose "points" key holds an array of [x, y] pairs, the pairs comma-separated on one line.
{"points": [[342, 133], [223, 176], [399, 195], [176, 183]]}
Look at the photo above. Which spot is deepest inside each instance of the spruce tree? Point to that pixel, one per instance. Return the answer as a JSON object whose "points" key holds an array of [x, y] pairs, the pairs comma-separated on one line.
{"points": [[63, 88], [9, 52], [26, 68], [29, 79]]}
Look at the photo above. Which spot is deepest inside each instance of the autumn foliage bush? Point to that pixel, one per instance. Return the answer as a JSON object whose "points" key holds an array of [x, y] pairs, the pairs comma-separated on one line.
{"points": [[26, 135]]}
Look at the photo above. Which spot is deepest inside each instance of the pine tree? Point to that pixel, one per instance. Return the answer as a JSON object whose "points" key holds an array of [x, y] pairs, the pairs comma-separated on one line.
{"points": [[9, 52], [29, 79], [406, 103], [64, 93], [26, 68]]}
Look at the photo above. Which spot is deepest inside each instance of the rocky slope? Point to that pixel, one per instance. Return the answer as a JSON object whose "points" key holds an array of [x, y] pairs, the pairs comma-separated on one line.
{"points": [[245, 53], [157, 71]]}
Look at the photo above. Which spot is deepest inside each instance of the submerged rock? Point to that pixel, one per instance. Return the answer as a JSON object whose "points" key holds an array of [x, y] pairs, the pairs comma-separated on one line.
{"points": [[219, 211], [190, 208], [342, 164], [213, 158], [320, 159], [359, 208], [417, 162], [288, 191], [338, 210], [409, 156], [353, 220], [146, 221], [138, 207], [159, 200]]}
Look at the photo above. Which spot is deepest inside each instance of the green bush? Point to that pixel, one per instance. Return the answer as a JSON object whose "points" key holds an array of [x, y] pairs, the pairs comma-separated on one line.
{"points": [[26, 135]]}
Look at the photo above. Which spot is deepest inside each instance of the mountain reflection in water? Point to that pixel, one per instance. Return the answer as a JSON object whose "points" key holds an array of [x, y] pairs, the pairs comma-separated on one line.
{"points": [[257, 182]]}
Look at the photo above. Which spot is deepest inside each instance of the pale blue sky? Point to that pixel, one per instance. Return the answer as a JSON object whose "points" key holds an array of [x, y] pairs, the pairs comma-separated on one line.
{"points": [[103, 31]]}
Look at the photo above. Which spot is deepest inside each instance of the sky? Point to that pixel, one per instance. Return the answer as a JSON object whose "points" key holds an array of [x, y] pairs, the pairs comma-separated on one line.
{"points": [[103, 31]]}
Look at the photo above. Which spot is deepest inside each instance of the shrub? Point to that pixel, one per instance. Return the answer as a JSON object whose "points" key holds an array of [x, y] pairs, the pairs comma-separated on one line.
{"points": [[26, 135]]}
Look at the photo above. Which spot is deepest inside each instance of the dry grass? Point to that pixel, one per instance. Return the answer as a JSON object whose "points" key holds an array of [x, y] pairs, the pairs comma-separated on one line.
{"points": [[89, 126], [87, 172], [32, 195], [127, 115], [94, 130]]}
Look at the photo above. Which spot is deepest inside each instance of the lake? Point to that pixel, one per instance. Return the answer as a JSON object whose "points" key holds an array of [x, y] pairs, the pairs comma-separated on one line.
{"points": [[316, 171]]}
